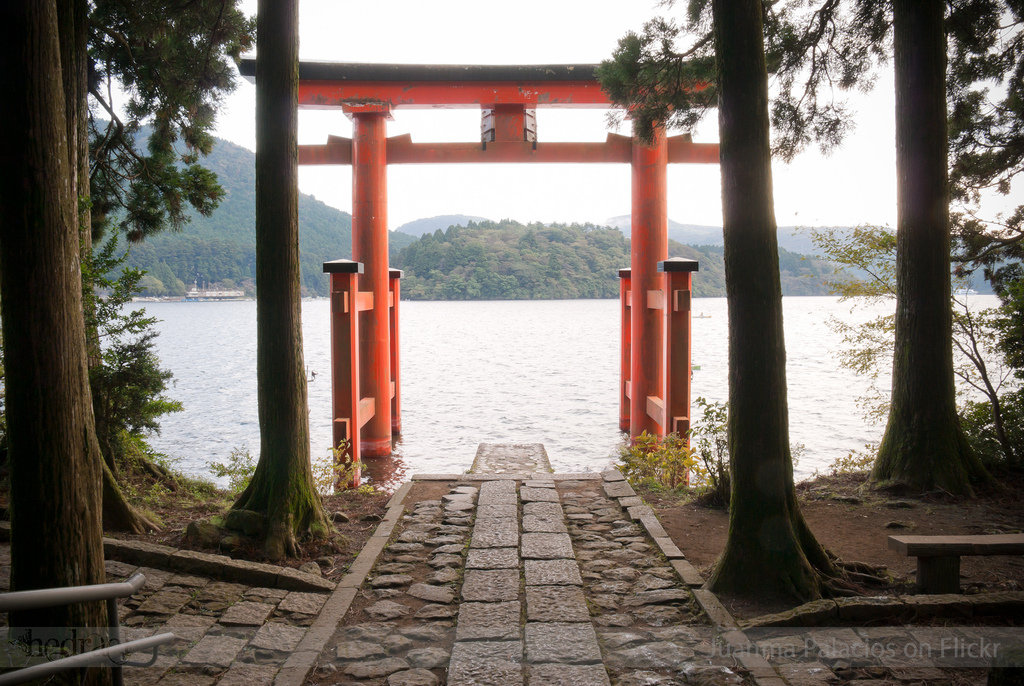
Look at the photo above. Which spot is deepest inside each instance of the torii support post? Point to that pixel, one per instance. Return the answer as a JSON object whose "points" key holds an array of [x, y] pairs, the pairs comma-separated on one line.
{"points": [[350, 411], [678, 289], [370, 246], [648, 247], [396, 382], [625, 353]]}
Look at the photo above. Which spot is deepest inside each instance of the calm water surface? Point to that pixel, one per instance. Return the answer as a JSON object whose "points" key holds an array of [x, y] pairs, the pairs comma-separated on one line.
{"points": [[495, 371]]}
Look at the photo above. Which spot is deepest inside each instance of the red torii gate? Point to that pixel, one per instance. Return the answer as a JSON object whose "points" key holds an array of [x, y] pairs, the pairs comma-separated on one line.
{"points": [[655, 375]]}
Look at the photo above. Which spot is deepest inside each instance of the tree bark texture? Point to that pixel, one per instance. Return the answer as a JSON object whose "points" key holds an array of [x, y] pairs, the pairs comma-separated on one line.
{"points": [[282, 485], [769, 549], [924, 446], [56, 534]]}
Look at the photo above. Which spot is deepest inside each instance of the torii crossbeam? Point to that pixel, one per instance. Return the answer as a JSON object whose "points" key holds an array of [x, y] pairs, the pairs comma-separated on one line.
{"points": [[655, 380]]}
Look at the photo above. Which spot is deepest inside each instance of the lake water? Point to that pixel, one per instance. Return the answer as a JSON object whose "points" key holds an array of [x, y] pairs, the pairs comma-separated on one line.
{"points": [[494, 371]]}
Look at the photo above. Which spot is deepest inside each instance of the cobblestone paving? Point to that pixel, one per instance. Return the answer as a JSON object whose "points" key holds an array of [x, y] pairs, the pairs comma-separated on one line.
{"points": [[227, 633]]}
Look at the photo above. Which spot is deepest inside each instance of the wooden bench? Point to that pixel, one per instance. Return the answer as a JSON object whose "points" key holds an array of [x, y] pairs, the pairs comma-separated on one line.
{"points": [[938, 557]]}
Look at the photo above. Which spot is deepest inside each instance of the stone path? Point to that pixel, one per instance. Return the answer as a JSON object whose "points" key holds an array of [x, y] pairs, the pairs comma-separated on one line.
{"points": [[509, 576]]}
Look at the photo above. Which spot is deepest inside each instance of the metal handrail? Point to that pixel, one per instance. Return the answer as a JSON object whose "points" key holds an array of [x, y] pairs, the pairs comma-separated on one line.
{"points": [[54, 597], [112, 655]]}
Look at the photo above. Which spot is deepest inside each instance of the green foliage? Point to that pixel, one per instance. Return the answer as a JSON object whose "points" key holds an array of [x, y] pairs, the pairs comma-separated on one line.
{"points": [[656, 463], [666, 73], [239, 468], [173, 59], [127, 385], [979, 425], [855, 462], [709, 436], [339, 469]]}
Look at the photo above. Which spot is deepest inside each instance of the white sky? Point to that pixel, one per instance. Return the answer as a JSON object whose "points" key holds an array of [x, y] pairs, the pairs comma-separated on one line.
{"points": [[854, 185]]}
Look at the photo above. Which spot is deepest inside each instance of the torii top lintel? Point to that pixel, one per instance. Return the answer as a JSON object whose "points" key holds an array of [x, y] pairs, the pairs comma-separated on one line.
{"points": [[509, 91], [357, 86]]}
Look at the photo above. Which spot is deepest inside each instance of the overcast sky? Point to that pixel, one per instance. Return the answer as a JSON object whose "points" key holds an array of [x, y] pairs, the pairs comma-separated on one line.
{"points": [[854, 185]]}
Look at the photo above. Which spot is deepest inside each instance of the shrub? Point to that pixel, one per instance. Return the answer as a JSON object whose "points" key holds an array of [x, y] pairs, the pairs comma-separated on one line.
{"points": [[710, 440], [239, 468], [652, 462]]}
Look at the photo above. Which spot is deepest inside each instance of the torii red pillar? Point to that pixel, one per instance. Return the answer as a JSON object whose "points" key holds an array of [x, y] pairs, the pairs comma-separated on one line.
{"points": [[370, 246], [648, 246]]}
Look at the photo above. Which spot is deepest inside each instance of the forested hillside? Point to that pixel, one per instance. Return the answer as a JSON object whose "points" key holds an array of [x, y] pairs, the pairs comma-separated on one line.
{"points": [[509, 260], [222, 248]]}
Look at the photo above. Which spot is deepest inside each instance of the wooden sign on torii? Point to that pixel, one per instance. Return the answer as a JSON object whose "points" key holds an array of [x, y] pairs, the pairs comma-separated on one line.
{"points": [[655, 380]]}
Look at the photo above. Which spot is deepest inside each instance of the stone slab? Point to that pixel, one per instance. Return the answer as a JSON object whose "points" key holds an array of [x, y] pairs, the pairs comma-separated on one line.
{"points": [[244, 674], [612, 475], [618, 489], [556, 604], [543, 524], [688, 573], [496, 511], [304, 603], [277, 636], [568, 675], [468, 668], [563, 643], [493, 558], [498, 499], [220, 651], [542, 509], [294, 580], [538, 495], [630, 501], [668, 548], [638, 511], [547, 546], [552, 573], [653, 527], [246, 613], [539, 483], [489, 621], [495, 533], [432, 594], [491, 585], [714, 609]]}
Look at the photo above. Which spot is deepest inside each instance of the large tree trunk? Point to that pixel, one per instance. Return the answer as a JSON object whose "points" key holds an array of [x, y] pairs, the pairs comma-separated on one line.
{"points": [[282, 486], [56, 536], [73, 20], [769, 549], [924, 446]]}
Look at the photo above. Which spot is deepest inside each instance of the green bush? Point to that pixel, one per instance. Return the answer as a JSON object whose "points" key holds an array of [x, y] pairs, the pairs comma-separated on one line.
{"points": [[979, 426], [709, 436], [656, 462], [239, 468]]}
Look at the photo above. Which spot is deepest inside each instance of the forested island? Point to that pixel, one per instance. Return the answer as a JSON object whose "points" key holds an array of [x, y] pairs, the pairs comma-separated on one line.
{"points": [[510, 261]]}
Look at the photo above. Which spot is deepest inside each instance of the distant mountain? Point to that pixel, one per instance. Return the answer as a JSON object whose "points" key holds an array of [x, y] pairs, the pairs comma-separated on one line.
{"points": [[222, 247], [791, 238], [511, 261], [419, 227]]}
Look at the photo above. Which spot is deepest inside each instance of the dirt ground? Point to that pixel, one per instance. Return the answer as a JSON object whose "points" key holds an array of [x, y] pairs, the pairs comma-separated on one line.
{"points": [[854, 522]]}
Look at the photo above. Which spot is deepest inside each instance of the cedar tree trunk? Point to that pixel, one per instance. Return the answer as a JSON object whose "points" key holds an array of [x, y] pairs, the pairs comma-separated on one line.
{"points": [[924, 446], [73, 21], [56, 534], [769, 549], [282, 487]]}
